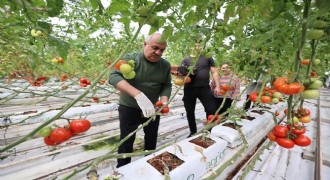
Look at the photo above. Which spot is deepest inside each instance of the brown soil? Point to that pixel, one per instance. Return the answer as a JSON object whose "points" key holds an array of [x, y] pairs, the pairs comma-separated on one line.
{"points": [[250, 118], [203, 142], [258, 111], [165, 160], [232, 125]]}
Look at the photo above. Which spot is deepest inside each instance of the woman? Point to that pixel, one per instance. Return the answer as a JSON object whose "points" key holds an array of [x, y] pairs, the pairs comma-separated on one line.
{"points": [[230, 88]]}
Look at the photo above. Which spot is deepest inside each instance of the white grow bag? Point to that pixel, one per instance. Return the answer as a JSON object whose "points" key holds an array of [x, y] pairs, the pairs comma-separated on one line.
{"points": [[249, 129], [197, 161]]}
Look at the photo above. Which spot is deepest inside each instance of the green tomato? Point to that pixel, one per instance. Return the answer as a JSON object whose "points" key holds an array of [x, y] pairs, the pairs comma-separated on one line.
{"points": [[316, 61], [310, 94], [275, 100], [315, 34], [143, 11], [295, 119], [319, 24], [34, 33], [277, 95], [54, 60], [316, 84], [131, 63], [45, 131], [125, 68], [130, 75]]}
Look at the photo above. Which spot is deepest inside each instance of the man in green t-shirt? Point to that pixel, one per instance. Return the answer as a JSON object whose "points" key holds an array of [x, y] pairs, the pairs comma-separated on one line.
{"points": [[152, 83]]}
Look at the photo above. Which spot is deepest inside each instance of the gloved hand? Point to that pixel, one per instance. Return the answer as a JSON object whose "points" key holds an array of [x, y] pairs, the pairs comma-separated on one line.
{"points": [[145, 104]]}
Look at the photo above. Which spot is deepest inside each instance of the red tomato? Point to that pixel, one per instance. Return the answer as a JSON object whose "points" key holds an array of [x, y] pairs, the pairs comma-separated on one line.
{"points": [[302, 140], [95, 99], [159, 104], [165, 110], [284, 142], [209, 118], [281, 85], [79, 126], [266, 99], [253, 96], [297, 129], [304, 62], [277, 113], [271, 136], [60, 135], [50, 142], [83, 85], [119, 63], [304, 112], [280, 131], [60, 60], [83, 81], [187, 80]]}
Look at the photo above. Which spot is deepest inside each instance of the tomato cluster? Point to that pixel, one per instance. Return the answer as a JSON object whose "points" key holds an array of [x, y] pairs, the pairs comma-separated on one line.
{"points": [[53, 137], [312, 89], [160, 104], [301, 115], [180, 80], [63, 77], [84, 82], [37, 82], [290, 135], [126, 68], [268, 96], [225, 88]]}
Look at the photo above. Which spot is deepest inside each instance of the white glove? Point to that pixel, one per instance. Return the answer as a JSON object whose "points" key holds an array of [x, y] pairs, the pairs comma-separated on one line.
{"points": [[145, 104]]}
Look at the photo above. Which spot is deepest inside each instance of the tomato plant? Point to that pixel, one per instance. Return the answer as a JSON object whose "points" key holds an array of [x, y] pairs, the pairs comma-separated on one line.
{"points": [[79, 126]]}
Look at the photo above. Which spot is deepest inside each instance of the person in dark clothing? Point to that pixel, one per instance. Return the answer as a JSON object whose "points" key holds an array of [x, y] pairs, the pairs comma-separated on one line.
{"points": [[151, 83], [198, 88]]}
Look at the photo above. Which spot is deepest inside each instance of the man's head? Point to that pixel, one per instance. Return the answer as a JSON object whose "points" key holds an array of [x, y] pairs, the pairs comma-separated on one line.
{"points": [[153, 48]]}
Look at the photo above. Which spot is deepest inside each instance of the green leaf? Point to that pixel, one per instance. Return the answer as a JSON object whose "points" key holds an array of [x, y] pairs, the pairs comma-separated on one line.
{"points": [[95, 3], [323, 6], [46, 26], [61, 46], [54, 7], [119, 6], [230, 12], [167, 33]]}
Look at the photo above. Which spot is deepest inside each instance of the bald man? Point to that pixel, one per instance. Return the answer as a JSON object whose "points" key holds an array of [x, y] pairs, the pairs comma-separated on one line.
{"points": [[151, 83]]}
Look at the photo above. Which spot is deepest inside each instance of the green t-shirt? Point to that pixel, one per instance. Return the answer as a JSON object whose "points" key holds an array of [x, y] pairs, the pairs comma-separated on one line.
{"points": [[152, 78]]}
